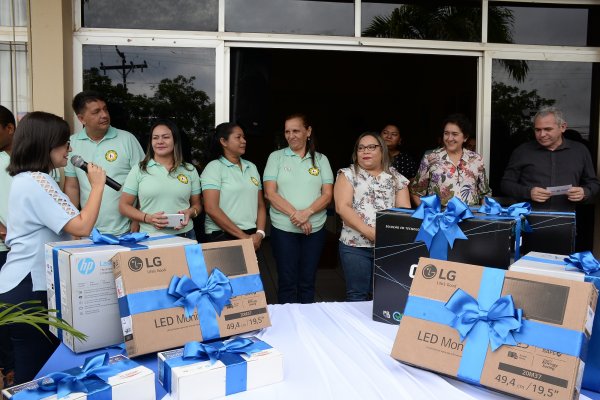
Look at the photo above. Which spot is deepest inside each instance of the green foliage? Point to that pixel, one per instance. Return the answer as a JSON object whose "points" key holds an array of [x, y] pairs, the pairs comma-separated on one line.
{"points": [[435, 22], [35, 315], [176, 98], [514, 107]]}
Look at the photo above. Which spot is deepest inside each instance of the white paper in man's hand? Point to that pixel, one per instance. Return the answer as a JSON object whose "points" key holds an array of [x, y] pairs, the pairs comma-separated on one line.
{"points": [[558, 190]]}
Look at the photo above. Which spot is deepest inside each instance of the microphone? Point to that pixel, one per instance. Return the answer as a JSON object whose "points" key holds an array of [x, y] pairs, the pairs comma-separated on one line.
{"points": [[79, 162]]}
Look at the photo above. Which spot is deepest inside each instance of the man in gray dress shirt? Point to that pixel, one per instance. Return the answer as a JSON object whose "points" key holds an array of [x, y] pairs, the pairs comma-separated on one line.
{"points": [[536, 169]]}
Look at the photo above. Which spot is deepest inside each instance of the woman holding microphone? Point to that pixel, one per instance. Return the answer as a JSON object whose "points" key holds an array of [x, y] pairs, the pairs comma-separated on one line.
{"points": [[39, 213]]}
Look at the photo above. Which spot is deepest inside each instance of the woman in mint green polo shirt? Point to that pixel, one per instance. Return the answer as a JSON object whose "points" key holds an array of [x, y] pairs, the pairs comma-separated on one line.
{"points": [[163, 183], [299, 185], [231, 188]]}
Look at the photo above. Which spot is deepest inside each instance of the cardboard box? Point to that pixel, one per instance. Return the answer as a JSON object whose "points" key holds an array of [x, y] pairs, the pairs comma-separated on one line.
{"points": [[554, 265], [80, 284], [545, 358], [153, 320], [553, 232], [201, 379], [129, 381], [396, 254]]}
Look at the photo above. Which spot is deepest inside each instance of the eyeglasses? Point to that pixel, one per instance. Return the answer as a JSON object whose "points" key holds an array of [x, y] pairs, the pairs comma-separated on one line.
{"points": [[370, 147]]}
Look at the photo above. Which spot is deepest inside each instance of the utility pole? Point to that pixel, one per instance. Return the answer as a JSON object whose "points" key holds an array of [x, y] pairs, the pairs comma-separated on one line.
{"points": [[124, 69]]}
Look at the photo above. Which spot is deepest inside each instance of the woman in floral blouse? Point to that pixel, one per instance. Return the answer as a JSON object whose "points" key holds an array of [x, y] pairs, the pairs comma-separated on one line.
{"points": [[367, 186], [452, 170]]}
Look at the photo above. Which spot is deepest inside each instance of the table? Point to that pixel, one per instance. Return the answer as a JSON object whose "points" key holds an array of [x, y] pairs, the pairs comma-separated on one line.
{"points": [[331, 351]]}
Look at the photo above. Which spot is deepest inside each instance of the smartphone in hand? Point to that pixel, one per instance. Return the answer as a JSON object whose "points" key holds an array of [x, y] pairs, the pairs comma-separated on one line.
{"points": [[174, 220]]}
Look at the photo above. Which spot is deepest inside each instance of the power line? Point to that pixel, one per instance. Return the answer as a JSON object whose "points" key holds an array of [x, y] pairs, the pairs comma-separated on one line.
{"points": [[124, 69]]}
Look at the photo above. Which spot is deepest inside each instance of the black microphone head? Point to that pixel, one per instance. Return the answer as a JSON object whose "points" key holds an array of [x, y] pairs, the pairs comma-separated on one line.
{"points": [[77, 161]]}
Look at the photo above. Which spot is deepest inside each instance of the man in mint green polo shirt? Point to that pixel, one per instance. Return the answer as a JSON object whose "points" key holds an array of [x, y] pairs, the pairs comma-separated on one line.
{"points": [[115, 150]]}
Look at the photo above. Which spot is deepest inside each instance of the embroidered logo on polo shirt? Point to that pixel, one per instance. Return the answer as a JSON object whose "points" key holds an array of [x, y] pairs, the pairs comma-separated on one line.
{"points": [[254, 180], [111, 156], [183, 179], [314, 171]]}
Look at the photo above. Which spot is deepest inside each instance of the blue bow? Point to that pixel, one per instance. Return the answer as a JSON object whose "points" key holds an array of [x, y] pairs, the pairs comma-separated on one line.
{"points": [[217, 350], [190, 293], [101, 238], [492, 207], [502, 318], [440, 227], [585, 262], [63, 383]]}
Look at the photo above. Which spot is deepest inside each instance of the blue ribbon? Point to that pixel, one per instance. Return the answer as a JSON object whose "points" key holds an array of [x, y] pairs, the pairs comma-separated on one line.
{"points": [[91, 378], [440, 229], [491, 319], [585, 262], [515, 211], [207, 293], [502, 318], [192, 294], [227, 352], [129, 240]]}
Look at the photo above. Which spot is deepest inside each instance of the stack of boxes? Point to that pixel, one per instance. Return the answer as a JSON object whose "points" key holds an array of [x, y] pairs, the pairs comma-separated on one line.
{"points": [[157, 294]]}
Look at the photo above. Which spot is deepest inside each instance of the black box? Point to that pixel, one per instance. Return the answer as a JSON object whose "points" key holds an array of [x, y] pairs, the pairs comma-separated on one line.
{"points": [[490, 243], [553, 232]]}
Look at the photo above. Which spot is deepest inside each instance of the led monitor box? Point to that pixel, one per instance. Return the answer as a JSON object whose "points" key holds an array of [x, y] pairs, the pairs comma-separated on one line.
{"points": [[168, 297], [489, 242], [81, 285], [535, 353]]}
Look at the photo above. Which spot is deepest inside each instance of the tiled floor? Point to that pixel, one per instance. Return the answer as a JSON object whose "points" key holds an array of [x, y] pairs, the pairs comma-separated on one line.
{"points": [[330, 278]]}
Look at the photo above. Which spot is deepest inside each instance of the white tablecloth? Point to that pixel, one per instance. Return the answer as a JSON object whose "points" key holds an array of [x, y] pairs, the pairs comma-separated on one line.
{"points": [[336, 351]]}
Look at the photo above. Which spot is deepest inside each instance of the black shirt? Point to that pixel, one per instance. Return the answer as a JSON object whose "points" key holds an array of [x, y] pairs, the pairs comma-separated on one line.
{"points": [[532, 165], [405, 164]]}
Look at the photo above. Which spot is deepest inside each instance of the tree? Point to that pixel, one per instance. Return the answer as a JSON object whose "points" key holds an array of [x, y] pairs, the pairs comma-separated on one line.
{"points": [[176, 98], [435, 22], [514, 107]]}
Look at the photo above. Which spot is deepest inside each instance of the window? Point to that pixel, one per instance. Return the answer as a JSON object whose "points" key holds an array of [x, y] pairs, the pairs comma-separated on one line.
{"points": [[14, 84], [290, 16], [143, 83], [181, 15], [13, 13], [545, 24], [443, 20]]}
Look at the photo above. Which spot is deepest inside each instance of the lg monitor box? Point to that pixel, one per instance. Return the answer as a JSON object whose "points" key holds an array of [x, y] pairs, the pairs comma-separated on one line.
{"points": [[518, 333], [168, 297], [81, 286], [552, 232], [556, 266], [489, 242], [115, 378], [237, 365]]}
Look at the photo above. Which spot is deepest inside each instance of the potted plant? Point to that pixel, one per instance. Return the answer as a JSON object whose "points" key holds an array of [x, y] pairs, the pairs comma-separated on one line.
{"points": [[32, 313]]}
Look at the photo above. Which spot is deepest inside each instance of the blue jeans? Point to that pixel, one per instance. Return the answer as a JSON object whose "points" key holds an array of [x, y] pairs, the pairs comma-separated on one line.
{"points": [[357, 263], [297, 256]]}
